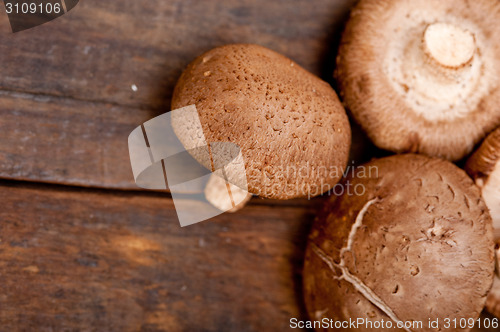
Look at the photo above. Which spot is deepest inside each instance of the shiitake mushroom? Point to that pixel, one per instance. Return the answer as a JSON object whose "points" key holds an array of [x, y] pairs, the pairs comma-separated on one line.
{"points": [[415, 244], [292, 130], [422, 76], [484, 167]]}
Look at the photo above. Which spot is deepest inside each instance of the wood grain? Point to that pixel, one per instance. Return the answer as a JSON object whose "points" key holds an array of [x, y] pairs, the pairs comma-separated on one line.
{"points": [[48, 139], [100, 48], [83, 259], [73, 260], [71, 142], [66, 103]]}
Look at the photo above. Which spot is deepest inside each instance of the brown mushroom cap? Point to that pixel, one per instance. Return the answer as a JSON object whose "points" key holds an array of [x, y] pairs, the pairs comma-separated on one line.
{"points": [[484, 167], [423, 76], [417, 244], [290, 126]]}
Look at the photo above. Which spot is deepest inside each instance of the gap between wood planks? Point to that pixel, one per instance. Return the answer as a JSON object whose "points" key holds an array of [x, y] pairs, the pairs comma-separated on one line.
{"points": [[299, 204], [73, 259], [24, 165]]}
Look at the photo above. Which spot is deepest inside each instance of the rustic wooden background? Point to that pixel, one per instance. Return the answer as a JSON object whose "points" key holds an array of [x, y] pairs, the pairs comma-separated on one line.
{"points": [[81, 247]]}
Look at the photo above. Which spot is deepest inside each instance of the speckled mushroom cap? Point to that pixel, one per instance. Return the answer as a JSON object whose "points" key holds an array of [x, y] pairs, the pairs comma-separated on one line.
{"points": [[423, 76], [484, 167], [415, 244], [291, 128]]}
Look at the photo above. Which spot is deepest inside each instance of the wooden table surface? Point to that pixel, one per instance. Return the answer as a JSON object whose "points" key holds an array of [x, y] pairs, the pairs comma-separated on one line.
{"points": [[81, 247]]}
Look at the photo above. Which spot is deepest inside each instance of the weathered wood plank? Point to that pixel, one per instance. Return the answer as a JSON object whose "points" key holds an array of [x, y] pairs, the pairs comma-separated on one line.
{"points": [[66, 141], [100, 48], [73, 260], [91, 57], [71, 142]]}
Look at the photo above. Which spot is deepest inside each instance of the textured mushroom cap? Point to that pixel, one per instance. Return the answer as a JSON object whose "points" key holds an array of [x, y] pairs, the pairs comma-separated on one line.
{"points": [[291, 128], [420, 240], [484, 167], [423, 76]]}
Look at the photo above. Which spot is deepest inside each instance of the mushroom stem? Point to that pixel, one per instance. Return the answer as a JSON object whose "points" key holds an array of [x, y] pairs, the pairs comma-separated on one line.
{"points": [[490, 190], [449, 45], [225, 196]]}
